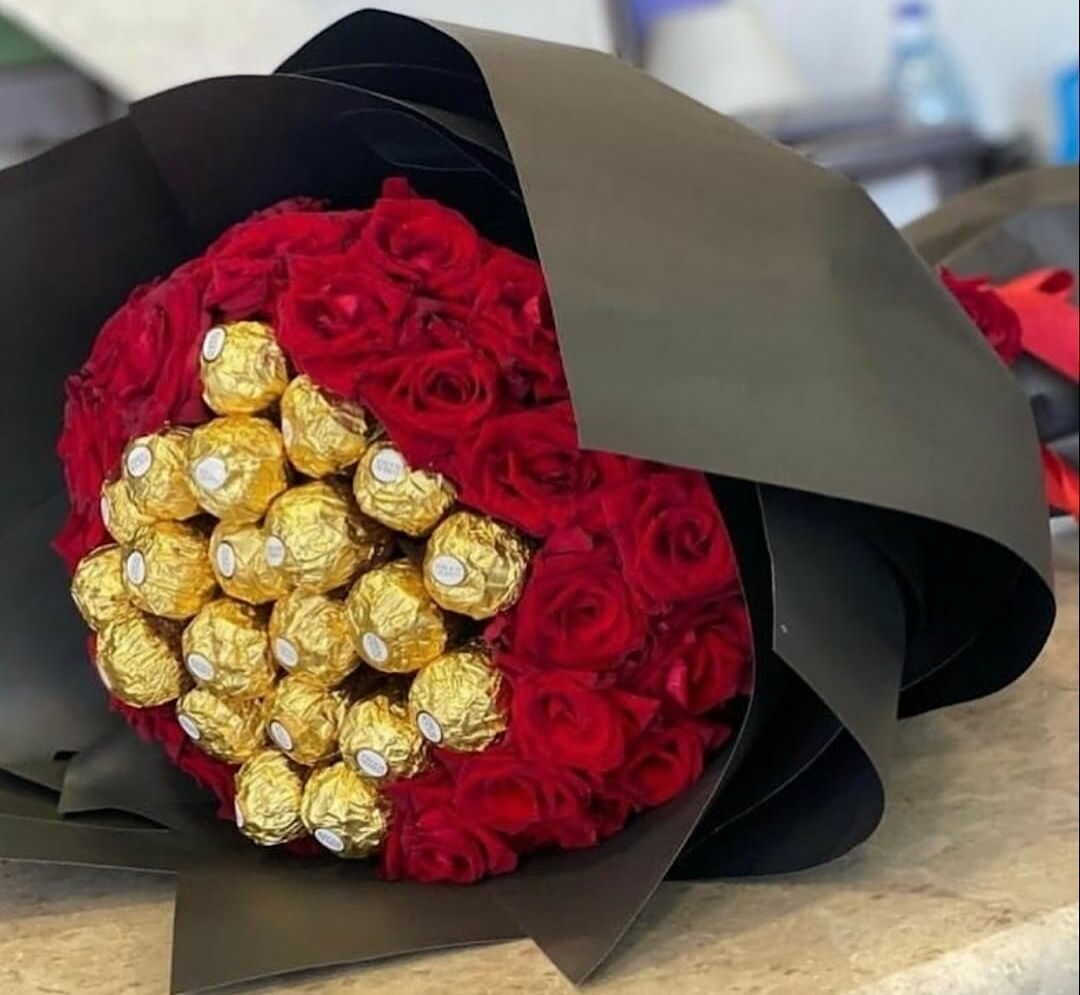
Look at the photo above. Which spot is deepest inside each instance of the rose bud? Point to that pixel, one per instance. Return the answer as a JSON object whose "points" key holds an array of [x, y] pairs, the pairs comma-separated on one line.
{"points": [[243, 368], [309, 635], [304, 719], [167, 570], [155, 472], [237, 466], [229, 729], [226, 649], [120, 515], [475, 565], [97, 587], [379, 740], [322, 435], [138, 659], [455, 700], [237, 553], [269, 788], [344, 812], [406, 500]]}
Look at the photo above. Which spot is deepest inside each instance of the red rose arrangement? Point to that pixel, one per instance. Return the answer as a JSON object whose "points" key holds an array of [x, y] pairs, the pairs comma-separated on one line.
{"points": [[625, 659]]}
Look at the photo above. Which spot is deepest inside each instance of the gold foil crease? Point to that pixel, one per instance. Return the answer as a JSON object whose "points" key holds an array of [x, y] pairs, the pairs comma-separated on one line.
{"points": [[455, 703], [226, 649], [475, 565], [237, 466], [322, 435], [344, 812], [138, 659], [396, 626], [155, 471], [229, 729], [238, 556], [97, 587], [167, 570], [269, 789], [119, 513], [309, 635], [320, 539], [243, 368], [379, 740], [303, 719], [406, 500]]}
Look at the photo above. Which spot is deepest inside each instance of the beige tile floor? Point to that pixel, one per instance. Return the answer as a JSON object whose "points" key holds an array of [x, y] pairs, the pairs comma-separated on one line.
{"points": [[969, 886]]}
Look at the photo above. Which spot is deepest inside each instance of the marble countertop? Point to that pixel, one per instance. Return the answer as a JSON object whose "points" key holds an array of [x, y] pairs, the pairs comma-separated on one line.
{"points": [[968, 887]]}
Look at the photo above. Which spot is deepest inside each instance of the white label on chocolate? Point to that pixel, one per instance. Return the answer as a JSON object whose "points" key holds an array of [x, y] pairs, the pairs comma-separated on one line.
{"points": [[448, 570], [225, 556], [274, 551], [238, 812], [106, 514], [388, 466], [375, 649], [329, 839], [429, 727], [210, 473], [187, 723], [135, 567], [286, 653], [280, 735], [372, 763], [287, 431], [213, 343], [200, 667], [138, 461]]}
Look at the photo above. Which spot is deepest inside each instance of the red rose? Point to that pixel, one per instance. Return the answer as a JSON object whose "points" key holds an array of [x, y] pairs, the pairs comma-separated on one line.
{"points": [[576, 610], [665, 761], [526, 467], [433, 324], [291, 228], [242, 288], [671, 537], [567, 719], [702, 658], [993, 317], [440, 844]]}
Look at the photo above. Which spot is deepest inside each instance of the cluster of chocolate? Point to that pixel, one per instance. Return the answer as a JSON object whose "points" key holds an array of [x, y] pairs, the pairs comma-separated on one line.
{"points": [[313, 631]]}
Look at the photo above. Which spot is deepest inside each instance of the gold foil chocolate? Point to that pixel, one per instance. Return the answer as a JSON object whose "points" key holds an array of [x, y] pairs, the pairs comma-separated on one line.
{"points": [[303, 719], [316, 535], [237, 466], [475, 565], [243, 368], [138, 659], [269, 789], [322, 435], [226, 649], [97, 587], [344, 812], [309, 635], [229, 729], [167, 570], [380, 741], [396, 626], [238, 556], [406, 500], [155, 471], [119, 513], [455, 702]]}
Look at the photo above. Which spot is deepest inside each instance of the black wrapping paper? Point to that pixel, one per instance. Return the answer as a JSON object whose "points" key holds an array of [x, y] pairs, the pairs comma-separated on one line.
{"points": [[720, 303]]}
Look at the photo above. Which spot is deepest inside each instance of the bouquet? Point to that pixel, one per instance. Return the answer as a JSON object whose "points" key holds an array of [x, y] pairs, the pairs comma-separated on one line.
{"points": [[440, 493]]}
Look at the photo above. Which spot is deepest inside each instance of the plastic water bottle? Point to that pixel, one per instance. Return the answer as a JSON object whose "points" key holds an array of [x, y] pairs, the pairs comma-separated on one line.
{"points": [[923, 81]]}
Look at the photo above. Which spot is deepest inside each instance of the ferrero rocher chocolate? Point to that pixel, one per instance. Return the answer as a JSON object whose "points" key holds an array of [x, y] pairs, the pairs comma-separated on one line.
{"points": [[229, 729], [454, 700], [167, 570], [238, 556], [309, 635], [379, 740], [155, 471], [119, 513], [138, 659], [243, 368], [322, 435], [303, 719], [395, 625], [237, 466], [269, 789], [226, 649], [406, 500], [344, 812], [97, 587], [317, 536], [475, 565]]}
